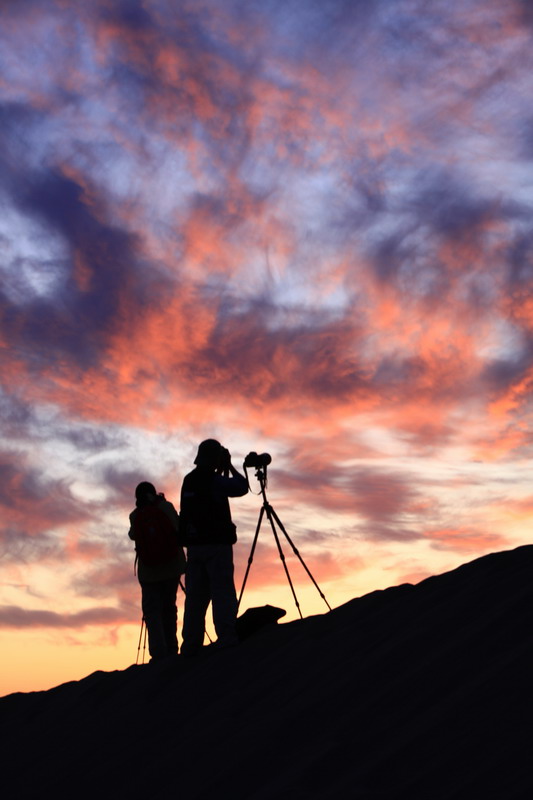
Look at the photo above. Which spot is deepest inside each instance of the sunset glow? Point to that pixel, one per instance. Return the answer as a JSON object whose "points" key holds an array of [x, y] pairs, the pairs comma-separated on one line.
{"points": [[298, 227]]}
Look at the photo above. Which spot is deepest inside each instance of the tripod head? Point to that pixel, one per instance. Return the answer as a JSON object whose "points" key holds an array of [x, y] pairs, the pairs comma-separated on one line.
{"points": [[261, 475]]}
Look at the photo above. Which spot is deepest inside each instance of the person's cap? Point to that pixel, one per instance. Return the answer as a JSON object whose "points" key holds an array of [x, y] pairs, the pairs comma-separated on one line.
{"points": [[208, 452]]}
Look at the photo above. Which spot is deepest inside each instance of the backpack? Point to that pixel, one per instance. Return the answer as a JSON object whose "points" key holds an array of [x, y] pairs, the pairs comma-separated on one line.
{"points": [[155, 537]]}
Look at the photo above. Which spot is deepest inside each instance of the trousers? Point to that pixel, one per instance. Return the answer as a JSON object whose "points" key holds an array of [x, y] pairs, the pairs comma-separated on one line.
{"points": [[161, 616], [209, 578]]}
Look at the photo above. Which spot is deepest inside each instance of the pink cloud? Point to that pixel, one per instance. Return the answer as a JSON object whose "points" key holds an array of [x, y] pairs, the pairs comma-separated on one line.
{"points": [[32, 503], [267, 567], [465, 539]]}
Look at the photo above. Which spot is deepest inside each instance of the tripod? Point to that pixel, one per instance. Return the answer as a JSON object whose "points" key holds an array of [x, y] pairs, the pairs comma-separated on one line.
{"points": [[274, 520]]}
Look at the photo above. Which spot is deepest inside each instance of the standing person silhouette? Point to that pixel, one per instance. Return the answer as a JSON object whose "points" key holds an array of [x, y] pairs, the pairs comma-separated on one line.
{"points": [[209, 535], [154, 527]]}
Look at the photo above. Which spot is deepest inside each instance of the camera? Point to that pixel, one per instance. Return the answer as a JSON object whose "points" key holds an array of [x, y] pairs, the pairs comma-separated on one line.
{"points": [[257, 461]]}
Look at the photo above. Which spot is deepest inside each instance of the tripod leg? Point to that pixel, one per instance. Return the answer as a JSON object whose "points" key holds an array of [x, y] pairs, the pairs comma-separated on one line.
{"points": [[251, 556], [296, 553], [269, 512], [140, 639], [144, 642]]}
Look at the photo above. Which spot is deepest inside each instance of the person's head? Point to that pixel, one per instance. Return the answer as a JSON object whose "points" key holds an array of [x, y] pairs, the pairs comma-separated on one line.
{"points": [[145, 493], [209, 454]]}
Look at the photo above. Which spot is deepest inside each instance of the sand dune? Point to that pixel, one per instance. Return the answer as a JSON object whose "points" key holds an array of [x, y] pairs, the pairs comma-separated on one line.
{"points": [[416, 691]]}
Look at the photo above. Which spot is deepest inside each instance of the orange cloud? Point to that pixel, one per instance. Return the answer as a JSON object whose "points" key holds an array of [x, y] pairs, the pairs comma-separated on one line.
{"points": [[267, 566], [465, 539]]}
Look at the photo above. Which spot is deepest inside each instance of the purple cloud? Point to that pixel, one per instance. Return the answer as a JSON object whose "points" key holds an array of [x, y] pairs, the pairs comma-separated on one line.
{"points": [[16, 617]]}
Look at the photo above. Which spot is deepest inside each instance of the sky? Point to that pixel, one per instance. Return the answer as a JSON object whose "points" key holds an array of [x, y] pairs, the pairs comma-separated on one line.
{"points": [[302, 227]]}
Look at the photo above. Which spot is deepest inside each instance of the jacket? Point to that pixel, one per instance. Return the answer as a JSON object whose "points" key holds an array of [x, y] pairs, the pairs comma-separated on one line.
{"points": [[170, 569], [205, 512]]}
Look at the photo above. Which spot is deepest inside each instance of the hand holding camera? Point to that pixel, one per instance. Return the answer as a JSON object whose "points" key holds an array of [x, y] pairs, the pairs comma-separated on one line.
{"points": [[225, 461]]}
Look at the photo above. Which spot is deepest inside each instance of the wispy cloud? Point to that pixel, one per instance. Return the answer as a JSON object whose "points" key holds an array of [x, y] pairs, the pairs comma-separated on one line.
{"points": [[15, 617]]}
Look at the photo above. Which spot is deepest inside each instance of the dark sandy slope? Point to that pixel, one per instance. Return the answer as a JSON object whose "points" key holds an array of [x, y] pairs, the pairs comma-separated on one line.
{"points": [[417, 691]]}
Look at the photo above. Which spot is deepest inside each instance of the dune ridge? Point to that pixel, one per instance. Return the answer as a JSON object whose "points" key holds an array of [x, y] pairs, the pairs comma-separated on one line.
{"points": [[414, 691]]}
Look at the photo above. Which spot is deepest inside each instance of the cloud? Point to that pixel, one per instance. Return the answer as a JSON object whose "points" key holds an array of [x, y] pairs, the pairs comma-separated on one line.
{"points": [[524, 12], [102, 291], [465, 540], [267, 566], [91, 439], [123, 483], [385, 505], [24, 490], [527, 136], [20, 547], [35, 507], [76, 322], [16, 617], [126, 15], [15, 413], [114, 580]]}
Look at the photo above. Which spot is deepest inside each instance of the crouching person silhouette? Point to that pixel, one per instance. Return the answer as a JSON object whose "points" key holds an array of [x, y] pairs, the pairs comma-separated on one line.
{"points": [[154, 527], [209, 535]]}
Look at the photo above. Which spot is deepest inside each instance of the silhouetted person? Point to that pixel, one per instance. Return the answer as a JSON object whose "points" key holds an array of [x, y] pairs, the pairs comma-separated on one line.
{"points": [[209, 535], [154, 527]]}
